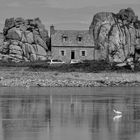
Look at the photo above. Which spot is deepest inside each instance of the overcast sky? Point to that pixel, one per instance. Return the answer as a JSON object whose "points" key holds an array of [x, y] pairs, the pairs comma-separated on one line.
{"points": [[64, 14]]}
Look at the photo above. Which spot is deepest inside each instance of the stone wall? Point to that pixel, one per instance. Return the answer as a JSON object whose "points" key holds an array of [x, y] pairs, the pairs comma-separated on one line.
{"points": [[90, 53]]}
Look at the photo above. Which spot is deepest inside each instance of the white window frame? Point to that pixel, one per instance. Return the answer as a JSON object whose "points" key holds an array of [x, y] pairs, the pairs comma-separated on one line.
{"points": [[82, 51]]}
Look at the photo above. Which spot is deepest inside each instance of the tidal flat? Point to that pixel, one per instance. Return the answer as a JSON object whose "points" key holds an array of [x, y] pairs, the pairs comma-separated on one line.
{"points": [[22, 77]]}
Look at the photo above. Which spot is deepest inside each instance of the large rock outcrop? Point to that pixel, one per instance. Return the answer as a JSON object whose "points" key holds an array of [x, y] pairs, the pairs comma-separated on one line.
{"points": [[24, 40], [116, 36]]}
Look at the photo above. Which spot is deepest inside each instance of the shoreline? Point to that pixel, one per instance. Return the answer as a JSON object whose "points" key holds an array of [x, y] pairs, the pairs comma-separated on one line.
{"points": [[13, 77]]}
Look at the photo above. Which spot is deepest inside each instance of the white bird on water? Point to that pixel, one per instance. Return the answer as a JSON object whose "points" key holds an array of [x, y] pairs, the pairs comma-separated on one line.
{"points": [[117, 112], [118, 115]]}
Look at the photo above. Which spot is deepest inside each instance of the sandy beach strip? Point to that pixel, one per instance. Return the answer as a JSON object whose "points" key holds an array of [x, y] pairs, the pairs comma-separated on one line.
{"points": [[23, 78]]}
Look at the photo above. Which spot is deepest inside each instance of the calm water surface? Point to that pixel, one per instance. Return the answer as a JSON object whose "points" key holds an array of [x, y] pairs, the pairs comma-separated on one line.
{"points": [[69, 113]]}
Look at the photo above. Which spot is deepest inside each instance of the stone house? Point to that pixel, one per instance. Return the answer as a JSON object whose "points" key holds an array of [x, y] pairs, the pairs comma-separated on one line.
{"points": [[72, 44]]}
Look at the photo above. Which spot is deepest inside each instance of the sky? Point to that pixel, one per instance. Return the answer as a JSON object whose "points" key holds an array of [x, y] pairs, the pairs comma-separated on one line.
{"points": [[63, 14]]}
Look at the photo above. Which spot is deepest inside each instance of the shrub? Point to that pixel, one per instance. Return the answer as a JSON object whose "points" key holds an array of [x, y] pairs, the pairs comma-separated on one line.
{"points": [[85, 66]]}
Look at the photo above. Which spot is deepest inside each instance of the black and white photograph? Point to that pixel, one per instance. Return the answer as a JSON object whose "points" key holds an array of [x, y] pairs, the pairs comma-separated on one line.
{"points": [[69, 70]]}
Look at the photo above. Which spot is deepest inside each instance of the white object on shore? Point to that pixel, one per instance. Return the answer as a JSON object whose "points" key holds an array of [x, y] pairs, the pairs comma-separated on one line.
{"points": [[121, 64], [117, 112]]}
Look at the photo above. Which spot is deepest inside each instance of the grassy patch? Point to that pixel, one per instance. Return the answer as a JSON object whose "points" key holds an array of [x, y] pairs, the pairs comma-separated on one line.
{"points": [[86, 66]]}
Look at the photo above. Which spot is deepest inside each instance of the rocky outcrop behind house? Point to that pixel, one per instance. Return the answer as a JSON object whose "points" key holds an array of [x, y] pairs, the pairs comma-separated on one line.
{"points": [[117, 36], [24, 40]]}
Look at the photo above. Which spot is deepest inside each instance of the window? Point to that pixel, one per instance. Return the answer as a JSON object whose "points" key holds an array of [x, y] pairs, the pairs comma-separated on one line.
{"points": [[83, 53], [64, 38], [79, 38], [62, 52]]}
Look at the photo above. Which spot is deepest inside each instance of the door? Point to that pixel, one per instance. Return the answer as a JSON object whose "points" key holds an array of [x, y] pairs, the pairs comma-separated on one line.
{"points": [[72, 54]]}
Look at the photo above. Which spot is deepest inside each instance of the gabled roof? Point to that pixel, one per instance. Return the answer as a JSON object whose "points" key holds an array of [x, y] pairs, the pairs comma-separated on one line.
{"points": [[72, 38]]}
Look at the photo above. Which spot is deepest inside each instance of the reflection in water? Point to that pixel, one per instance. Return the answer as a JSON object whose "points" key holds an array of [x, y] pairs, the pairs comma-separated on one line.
{"points": [[69, 117], [117, 117], [22, 115]]}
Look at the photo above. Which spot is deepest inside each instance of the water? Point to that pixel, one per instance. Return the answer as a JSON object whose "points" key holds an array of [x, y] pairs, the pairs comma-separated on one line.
{"points": [[69, 113]]}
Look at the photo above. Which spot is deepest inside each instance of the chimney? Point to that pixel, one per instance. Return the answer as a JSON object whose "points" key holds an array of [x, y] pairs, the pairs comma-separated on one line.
{"points": [[52, 30], [91, 30]]}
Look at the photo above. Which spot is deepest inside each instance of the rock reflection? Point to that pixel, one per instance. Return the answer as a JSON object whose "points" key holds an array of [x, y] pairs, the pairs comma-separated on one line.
{"points": [[25, 114], [67, 117]]}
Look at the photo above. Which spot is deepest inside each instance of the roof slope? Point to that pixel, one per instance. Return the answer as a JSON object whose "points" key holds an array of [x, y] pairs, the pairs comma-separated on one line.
{"points": [[57, 38]]}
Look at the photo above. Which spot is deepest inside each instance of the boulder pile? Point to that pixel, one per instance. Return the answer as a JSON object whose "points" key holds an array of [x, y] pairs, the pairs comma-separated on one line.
{"points": [[117, 36], [24, 40]]}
